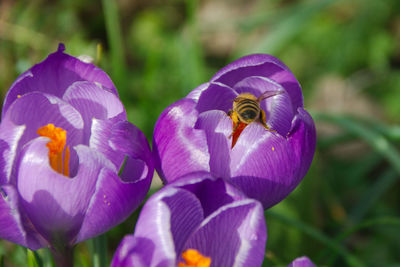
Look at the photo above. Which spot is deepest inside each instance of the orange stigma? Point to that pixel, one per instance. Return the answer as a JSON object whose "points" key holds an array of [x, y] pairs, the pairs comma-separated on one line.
{"points": [[193, 258], [56, 146]]}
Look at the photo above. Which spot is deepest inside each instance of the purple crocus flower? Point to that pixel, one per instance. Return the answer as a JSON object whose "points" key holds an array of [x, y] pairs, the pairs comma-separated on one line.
{"points": [[197, 219], [71, 164], [303, 261], [266, 160]]}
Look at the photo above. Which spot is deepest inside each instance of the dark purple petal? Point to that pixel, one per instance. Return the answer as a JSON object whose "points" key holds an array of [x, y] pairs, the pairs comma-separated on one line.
{"points": [[92, 101], [302, 262], [133, 251], [56, 204], [11, 225], [212, 193], [267, 166], [216, 96], [265, 66], [234, 235], [278, 109], [217, 126], [178, 148], [54, 75]]}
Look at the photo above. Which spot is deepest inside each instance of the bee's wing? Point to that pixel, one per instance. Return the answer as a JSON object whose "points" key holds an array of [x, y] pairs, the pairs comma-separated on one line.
{"points": [[268, 94]]}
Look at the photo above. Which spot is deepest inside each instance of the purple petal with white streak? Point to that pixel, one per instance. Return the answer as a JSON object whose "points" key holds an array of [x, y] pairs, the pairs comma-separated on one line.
{"points": [[217, 127], [92, 101], [11, 225], [234, 235], [176, 143]]}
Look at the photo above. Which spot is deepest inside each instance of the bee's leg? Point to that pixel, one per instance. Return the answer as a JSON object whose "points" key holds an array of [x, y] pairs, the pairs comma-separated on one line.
{"points": [[235, 121], [234, 130], [262, 120]]}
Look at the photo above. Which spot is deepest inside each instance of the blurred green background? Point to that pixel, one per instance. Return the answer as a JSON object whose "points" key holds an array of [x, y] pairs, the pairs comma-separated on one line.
{"points": [[346, 55]]}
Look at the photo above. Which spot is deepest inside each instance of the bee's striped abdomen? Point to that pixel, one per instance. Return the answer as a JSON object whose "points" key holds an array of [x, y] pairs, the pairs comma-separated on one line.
{"points": [[248, 109]]}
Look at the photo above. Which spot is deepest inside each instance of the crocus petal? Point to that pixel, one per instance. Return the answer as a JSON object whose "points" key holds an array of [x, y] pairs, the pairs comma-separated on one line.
{"points": [[195, 93], [35, 110], [133, 251], [116, 198], [302, 262], [177, 144], [217, 126], [92, 101], [261, 65], [101, 133], [267, 166], [112, 202], [54, 75], [280, 110], [216, 96], [10, 134], [169, 217], [11, 226], [234, 235], [45, 191]]}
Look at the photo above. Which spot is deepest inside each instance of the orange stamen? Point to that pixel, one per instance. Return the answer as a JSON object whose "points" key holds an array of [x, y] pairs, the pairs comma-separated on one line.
{"points": [[56, 146], [193, 258]]}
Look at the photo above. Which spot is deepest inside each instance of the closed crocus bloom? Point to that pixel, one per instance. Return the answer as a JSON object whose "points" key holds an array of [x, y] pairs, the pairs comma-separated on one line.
{"points": [[197, 221], [303, 261], [71, 164], [247, 125]]}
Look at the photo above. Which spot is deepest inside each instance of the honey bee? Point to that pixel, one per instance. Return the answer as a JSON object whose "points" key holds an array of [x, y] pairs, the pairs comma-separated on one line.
{"points": [[245, 110]]}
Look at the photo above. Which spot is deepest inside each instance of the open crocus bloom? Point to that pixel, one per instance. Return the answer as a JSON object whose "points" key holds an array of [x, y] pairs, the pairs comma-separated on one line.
{"points": [[195, 133], [197, 220], [71, 164]]}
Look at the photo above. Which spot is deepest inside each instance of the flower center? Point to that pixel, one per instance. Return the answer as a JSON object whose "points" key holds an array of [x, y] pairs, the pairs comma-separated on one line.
{"points": [[193, 258], [56, 146]]}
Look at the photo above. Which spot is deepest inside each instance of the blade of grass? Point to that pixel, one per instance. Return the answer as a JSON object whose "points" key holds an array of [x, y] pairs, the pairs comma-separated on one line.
{"points": [[33, 259], [383, 221], [100, 251], [317, 235], [114, 37], [296, 17], [377, 141], [383, 183]]}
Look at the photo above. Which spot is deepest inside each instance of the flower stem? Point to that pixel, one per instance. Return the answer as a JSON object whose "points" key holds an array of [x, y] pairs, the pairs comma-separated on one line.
{"points": [[63, 257]]}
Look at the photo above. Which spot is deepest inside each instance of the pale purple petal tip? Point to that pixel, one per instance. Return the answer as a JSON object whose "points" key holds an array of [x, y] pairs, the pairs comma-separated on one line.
{"points": [[303, 261]]}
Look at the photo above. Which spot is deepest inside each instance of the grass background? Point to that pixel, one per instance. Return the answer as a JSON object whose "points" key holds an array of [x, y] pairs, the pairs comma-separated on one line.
{"points": [[346, 55]]}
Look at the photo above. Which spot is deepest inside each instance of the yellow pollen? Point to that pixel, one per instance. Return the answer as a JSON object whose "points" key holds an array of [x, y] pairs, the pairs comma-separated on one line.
{"points": [[273, 148], [193, 258], [56, 146], [18, 96]]}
